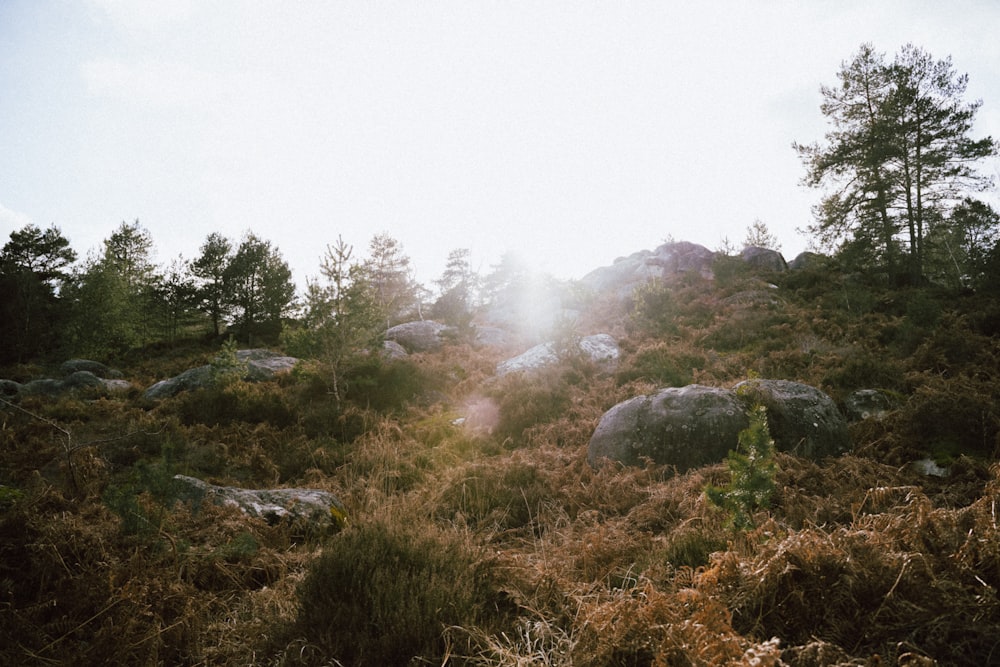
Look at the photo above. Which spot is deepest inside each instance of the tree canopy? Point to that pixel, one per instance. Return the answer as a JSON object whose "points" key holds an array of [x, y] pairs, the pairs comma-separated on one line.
{"points": [[898, 157]]}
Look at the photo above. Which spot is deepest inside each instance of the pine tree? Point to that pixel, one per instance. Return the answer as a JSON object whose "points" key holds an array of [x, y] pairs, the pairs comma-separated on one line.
{"points": [[751, 470]]}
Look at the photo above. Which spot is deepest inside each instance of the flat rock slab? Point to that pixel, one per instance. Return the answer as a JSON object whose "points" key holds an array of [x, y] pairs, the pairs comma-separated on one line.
{"points": [[305, 507]]}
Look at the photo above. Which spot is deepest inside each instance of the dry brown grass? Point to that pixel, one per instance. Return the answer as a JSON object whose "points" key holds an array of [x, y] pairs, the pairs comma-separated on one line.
{"points": [[857, 557]]}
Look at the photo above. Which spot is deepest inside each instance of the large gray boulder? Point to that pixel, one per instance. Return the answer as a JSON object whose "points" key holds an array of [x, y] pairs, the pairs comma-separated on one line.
{"points": [[808, 260], [311, 509], [192, 378], [764, 259], [802, 419], [490, 336], [393, 351], [602, 349], [255, 365], [665, 263], [10, 388], [71, 366], [419, 336], [54, 387], [685, 427], [264, 365]]}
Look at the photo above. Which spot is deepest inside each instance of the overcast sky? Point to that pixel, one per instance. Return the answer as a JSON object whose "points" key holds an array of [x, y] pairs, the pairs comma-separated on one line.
{"points": [[568, 132]]}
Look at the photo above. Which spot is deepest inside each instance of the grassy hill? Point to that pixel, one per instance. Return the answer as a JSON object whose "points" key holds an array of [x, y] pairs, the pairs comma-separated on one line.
{"points": [[500, 545]]}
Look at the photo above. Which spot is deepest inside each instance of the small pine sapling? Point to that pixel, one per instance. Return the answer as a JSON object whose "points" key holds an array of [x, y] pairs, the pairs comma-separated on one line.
{"points": [[751, 470]]}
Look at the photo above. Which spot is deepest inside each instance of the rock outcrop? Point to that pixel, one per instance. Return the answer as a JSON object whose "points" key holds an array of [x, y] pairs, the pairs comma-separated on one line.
{"points": [[807, 260], [78, 375], [309, 509], [802, 419], [71, 366], [696, 425], [419, 336], [602, 349], [685, 427], [764, 259], [869, 404], [259, 365], [666, 262]]}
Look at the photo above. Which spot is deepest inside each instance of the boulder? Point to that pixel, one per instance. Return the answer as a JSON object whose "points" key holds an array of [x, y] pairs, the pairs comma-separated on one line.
{"points": [[419, 336], [83, 380], [602, 349], [665, 263], [264, 365], [869, 404], [489, 336], [393, 351], [10, 388], [685, 427], [535, 358], [807, 260], [43, 387], [310, 509], [764, 259], [192, 378], [53, 387], [117, 385], [260, 365], [802, 419], [71, 366]]}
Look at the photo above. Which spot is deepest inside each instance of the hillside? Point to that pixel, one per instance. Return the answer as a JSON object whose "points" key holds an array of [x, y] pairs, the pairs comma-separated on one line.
{"points": [[476, 531]]}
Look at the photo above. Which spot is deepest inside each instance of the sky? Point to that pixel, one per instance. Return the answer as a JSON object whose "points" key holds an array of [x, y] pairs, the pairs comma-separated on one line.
{"points": [[566, 133]]}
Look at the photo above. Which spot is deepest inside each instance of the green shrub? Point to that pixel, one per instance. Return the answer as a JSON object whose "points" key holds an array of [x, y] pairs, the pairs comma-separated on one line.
{"points": [[383, 595], [661, 364], [751, 469], [386, 386], [237, 401]]}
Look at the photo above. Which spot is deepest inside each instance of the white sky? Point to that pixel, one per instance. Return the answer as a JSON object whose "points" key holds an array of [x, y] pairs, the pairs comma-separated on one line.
{"points": [[569, 132]]}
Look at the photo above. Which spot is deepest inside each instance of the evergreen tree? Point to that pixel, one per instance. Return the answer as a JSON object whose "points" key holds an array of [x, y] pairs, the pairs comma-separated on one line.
{"points": [[114, 298], [175, 298], [458, 286], [388, 269], [343, 320], [759, 236], [258, 286], [34, 266], [898, 158], [210, 270], [751, 470]]}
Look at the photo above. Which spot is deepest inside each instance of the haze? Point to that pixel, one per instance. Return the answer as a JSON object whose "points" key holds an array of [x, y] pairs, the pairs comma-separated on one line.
{"points": [[568, 133]]}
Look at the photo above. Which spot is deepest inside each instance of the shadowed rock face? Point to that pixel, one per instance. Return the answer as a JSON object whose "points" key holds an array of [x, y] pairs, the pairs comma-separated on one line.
{"points": [[692, 426], [802, 419], [666, 262], [685, 427], [764, 258], [420, 336]]}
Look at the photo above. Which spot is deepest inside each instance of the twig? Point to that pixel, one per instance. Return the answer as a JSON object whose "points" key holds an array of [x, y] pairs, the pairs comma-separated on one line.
{"points": [[69, 448]]}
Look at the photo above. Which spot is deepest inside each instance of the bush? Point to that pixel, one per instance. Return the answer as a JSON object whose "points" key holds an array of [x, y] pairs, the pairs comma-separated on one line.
{"points": [[529, 401], [237, 401], [751, 468], [499, 498], [383, 594], [663, 365]]}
